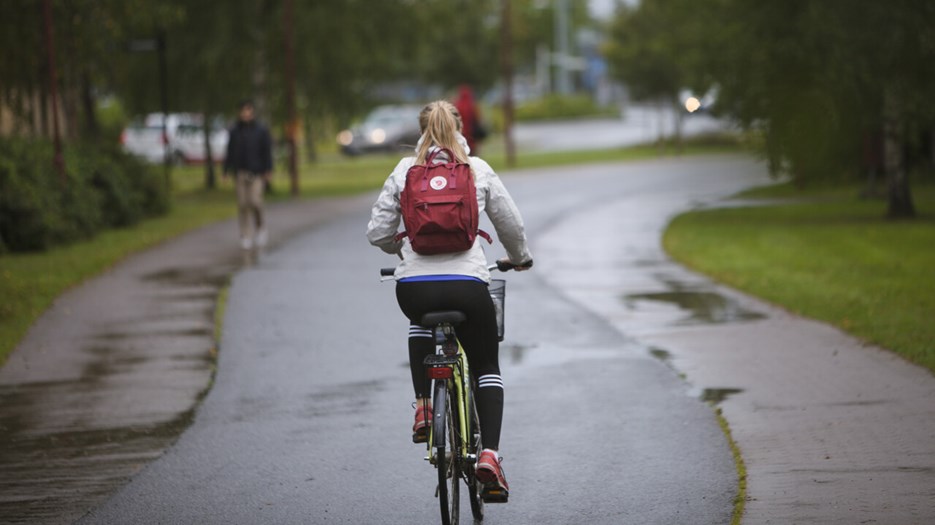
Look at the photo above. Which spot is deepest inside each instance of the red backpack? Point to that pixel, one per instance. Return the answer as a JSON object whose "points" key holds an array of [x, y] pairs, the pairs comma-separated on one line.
{"points": [[439, 206]]}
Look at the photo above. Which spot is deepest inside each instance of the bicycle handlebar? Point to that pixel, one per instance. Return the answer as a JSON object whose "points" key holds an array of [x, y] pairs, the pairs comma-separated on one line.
{"points": [[503, 266]]}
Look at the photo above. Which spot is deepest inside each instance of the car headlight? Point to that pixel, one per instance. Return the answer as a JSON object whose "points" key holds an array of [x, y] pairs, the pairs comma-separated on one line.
{"points": [[377, 136], [345, 138], [692, 104]]}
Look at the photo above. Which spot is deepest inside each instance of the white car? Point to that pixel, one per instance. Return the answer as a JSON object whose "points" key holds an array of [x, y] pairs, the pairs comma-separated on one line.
{"points": [[184, 138]]}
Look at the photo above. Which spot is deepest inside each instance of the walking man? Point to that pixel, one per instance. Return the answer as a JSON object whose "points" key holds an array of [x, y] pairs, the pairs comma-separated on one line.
{"points": [[250, 159]]}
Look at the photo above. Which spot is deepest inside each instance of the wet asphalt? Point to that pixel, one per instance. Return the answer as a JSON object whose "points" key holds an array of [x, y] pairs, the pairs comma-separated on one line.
{"points": [[308, 419], [612, 361], [113, 372]]}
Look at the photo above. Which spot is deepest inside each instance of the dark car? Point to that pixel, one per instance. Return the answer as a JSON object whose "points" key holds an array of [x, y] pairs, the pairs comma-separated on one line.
{"points": [[386, 128]]}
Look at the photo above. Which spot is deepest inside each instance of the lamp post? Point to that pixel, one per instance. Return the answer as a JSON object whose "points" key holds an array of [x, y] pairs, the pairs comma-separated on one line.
{"points": [[563, 80]]}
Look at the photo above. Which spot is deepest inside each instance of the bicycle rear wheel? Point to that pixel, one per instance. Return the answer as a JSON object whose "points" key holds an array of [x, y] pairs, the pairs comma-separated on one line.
{"points": [[446, 446], [474, 448]]}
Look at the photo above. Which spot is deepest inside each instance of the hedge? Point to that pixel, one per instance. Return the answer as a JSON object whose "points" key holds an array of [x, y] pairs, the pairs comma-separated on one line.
{"points": [[103, 188]]}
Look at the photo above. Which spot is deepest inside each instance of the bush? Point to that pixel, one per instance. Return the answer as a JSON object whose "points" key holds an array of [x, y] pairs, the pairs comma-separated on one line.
{"points": [[103, 189], [129, 190], [556, 107]]}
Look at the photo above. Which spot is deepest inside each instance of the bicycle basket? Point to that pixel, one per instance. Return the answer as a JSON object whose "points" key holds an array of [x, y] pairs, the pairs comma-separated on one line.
{"points": [[497, 289]]}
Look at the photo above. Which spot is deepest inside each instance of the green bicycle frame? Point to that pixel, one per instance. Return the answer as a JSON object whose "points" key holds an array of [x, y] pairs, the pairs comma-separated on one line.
{"points": [[459, 384]]}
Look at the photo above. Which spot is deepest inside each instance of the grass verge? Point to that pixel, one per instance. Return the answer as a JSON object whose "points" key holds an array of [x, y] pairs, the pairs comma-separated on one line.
{"points": [[740, 500], [832, 257], [220, 307], [29, 283]]}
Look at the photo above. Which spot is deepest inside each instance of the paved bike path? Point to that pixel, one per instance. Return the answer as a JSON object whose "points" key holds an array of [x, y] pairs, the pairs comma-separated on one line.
{"points": [[308, 420], [832, 430], [113, 371]]}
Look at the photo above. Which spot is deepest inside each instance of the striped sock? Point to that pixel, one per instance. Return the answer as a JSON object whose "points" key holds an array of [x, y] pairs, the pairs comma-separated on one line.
{"points": [[490, 380], [490, 408], [416, 331]]}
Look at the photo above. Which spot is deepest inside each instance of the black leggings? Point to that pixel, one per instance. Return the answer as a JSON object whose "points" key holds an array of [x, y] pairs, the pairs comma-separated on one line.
{"points": [[478, 336]]}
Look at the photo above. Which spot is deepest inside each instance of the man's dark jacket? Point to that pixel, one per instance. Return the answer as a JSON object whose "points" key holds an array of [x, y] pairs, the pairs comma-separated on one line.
{"points": [[249, 148]]}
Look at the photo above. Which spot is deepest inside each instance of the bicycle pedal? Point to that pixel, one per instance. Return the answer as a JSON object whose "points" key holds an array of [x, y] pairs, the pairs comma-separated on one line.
{"points": [[494, 495]]}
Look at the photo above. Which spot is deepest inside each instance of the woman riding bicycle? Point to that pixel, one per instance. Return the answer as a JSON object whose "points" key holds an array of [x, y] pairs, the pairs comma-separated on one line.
{"points": [[453, 281]]}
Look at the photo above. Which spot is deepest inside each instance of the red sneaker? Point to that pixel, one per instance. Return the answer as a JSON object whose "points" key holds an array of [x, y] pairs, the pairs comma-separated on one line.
{"points": [[420, 430], [490, 473]]}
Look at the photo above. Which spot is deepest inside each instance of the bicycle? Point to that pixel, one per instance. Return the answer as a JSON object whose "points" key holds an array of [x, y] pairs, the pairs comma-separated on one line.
{"points": [[454, 441]]}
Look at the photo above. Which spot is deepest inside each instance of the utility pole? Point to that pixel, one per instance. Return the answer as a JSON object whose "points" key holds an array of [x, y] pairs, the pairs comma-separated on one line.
{"points": [[562, 54], [58, 161], [506, 71], [288, 23]]}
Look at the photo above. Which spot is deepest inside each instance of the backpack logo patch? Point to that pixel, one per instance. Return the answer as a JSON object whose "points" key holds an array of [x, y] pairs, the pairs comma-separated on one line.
{"points": [[438, 183]]}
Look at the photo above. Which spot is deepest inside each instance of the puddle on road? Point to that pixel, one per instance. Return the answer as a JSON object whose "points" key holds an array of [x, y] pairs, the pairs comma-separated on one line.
{"points": [[708, 395], [98, 459], [59, 457], [214, 277], [345, 399], [517, 352], [702, 307], [717, 395], [663, 355]]}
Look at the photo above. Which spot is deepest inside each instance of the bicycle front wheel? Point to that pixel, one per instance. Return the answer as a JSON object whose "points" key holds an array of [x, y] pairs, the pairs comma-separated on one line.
{"points": [[447, 461]]}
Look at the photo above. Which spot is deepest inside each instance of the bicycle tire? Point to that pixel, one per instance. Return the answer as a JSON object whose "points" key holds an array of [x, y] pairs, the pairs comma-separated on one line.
{"points": [[446, 454], [474, 449]]}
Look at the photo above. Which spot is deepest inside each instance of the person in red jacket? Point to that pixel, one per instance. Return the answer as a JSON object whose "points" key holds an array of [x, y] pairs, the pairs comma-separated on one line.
{"points": [[470, 118]]}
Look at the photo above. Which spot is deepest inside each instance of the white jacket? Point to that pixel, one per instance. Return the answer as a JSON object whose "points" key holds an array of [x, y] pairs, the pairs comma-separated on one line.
{"points": [[492, 199]]}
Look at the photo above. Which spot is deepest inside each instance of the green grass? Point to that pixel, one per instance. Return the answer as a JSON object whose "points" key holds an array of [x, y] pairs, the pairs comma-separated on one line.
{"points": [[832, 257], [220, 308], [30, 282]]}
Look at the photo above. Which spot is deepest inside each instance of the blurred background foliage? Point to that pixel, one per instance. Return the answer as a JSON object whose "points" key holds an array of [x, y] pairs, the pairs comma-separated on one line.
{"points": [[832, 90], [835, 88]]}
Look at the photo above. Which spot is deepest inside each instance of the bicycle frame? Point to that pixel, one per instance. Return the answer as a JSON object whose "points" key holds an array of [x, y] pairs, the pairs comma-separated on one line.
{"points": [[452, 369], [453, 395]]}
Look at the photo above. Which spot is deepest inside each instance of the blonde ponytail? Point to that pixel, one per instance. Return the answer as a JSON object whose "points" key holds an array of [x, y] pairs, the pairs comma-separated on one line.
{"points": [[440, 123]]}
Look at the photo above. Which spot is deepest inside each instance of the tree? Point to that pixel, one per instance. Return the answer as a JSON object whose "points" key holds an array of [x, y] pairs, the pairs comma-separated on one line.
{"points": [[821, 78], [88, 38], [654, 51], [817, 78]]}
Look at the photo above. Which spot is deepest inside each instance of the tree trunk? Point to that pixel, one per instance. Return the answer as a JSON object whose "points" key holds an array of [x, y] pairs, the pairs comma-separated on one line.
{"points": [[900, 197], [311, 152], [679, 124], [210, 181], [91, 128]]}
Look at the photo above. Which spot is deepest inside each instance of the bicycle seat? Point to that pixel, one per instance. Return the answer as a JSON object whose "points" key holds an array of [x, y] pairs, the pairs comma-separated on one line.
{"points": [[448, 316]]}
